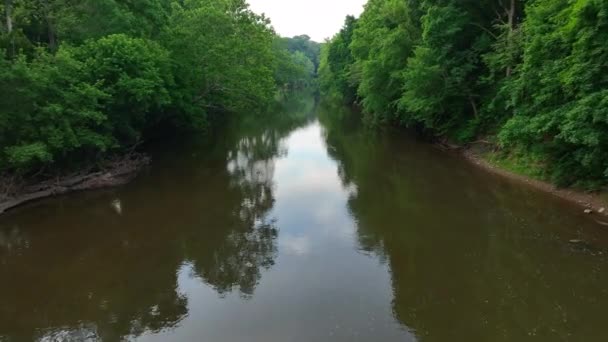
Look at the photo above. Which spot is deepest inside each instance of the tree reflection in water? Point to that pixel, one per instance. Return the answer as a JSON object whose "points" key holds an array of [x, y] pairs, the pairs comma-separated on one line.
{"points": [[234, 259], [469, 255], [80, 271]]}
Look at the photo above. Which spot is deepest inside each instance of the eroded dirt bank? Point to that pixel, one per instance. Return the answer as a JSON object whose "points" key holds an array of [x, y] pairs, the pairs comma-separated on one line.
{"points": [[15, 192]]}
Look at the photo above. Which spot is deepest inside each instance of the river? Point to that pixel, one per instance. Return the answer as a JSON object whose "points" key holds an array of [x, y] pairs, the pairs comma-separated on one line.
{"points": [[304, 226]]}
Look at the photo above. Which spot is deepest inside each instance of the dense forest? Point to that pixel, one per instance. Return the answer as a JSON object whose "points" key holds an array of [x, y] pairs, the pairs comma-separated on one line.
{"points": [[83, 81], [86, 80], [528, 78]]}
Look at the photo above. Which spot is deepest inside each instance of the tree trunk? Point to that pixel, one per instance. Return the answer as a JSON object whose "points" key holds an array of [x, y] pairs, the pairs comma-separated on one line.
{"points": [[50, 26], [473, 106], [52, 37], [511, 23], [8, 8], [511, 15]]}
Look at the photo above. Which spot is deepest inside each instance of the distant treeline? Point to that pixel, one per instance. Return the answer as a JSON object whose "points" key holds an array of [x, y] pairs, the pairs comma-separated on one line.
{"points": [[528, 76], [84, 79]]}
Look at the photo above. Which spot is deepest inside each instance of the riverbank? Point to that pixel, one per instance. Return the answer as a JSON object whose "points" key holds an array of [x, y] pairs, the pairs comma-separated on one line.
{"points": [[591, 203], [16, 192]]}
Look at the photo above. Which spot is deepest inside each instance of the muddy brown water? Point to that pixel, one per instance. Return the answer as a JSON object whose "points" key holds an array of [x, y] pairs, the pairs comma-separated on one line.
{"points": [[304, 226]]}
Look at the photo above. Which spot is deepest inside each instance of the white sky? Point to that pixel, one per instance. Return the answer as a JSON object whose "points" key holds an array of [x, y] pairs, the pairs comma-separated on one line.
{"points": [[319, 19]]}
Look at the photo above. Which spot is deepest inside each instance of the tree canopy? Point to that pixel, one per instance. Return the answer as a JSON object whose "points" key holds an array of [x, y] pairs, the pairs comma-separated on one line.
{"points": [[526, 75], [82, 80]]}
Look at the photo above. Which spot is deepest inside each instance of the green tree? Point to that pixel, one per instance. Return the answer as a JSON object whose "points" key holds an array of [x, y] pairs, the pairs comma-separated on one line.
{"points": [[86, 79], [528, 74], [227, 63], [386, 35], [49, 113], [295, 70], [305, 45], [559, 94], [340, 61], [440, 80], [136, 74]]}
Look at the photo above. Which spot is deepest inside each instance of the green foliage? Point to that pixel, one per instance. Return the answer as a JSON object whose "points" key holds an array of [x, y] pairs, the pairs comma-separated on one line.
{"points": [[84, 79], [81, 101], [385, 37], [532, 73], [136, 76], [296, 69], [225, 63], [337, 62], [304, 66], [303, 44], [76, 21], [437, 83], [49, 112], [560, 93], [528, 163]]}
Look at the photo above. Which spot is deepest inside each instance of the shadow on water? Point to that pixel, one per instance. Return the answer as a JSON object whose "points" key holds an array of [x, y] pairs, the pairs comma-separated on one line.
{"points": [[472, 257], [104, 265]]}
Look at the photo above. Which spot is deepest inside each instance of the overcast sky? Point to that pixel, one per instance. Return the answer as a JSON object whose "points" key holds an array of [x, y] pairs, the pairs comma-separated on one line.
{"points": [[319, 19]]}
